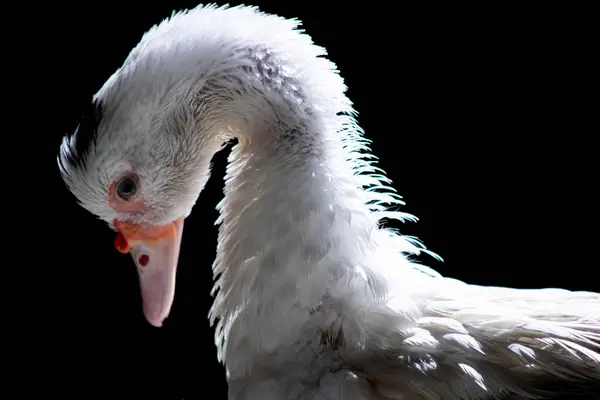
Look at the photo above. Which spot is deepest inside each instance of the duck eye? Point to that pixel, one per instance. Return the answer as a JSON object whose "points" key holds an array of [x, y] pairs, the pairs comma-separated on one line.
{"points": [[127, 188]]}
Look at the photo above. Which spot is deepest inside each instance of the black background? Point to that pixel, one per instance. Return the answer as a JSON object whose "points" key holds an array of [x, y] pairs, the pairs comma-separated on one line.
{"points": [[477, 115]]}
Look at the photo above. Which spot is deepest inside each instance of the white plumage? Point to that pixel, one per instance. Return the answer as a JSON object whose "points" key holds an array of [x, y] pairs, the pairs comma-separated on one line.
{"points": [[314, 300]]}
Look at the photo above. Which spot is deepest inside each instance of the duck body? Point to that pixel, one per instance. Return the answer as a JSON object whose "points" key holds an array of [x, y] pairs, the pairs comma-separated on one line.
{"points": [[314, 298]]}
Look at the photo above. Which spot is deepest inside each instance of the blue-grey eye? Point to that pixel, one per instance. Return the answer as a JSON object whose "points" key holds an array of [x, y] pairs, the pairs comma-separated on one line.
{"points": [[126, 188]]}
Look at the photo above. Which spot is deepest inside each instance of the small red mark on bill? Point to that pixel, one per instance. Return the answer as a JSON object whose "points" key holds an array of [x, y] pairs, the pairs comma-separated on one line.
{"points": [[144, 260]]}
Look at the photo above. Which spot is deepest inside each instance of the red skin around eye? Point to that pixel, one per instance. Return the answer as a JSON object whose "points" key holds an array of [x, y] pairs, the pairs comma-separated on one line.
{"points": [[122, 205], [128, 232]]}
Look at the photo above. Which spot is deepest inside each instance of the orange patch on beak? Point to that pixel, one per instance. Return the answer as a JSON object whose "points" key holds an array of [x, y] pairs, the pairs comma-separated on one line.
{"points": [[130, 233]]}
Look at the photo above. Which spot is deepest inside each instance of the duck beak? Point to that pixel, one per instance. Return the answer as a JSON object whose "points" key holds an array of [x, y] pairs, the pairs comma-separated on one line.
{"points": [[155, 252]]}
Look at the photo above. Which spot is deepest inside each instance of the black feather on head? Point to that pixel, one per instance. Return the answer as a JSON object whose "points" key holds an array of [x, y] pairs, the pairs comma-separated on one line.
{"points": [[77, 147]]}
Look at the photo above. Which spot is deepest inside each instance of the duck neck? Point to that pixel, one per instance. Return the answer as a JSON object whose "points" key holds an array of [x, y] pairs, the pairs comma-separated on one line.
{"points": [[293, 224]]}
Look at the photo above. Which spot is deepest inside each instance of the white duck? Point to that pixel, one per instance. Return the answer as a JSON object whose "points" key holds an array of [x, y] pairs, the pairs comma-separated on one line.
{"points": [[315, 299]]}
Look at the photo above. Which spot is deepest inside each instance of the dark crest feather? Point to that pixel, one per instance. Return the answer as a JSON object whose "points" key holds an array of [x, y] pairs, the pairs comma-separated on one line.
{"points": [[77, 147]]}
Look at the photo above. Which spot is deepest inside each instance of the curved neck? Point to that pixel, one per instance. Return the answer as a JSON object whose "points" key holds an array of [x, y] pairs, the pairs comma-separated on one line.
{"points": [[293, 221]]}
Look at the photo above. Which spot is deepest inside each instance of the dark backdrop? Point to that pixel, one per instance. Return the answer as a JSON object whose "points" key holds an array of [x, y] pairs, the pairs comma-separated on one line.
{"points": [[476, 115]]}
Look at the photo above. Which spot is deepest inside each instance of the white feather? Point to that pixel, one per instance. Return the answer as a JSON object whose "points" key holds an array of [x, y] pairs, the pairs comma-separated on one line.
{"points": [[314, 299]]}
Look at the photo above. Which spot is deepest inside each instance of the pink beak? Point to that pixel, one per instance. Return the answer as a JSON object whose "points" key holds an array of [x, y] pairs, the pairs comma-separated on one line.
{"points": [[155, 252]]}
